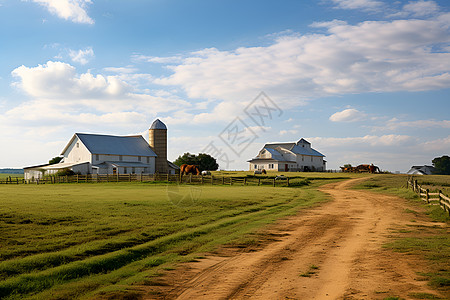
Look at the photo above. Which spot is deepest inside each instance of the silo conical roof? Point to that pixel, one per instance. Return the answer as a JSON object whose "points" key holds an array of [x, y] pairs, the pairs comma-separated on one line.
{"points": [[157, 124]]}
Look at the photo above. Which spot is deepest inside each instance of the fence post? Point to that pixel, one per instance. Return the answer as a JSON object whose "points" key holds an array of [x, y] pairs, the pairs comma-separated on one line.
{"points": [[231, 180], [416, 186], [274, 182], [288, 181], [427, 196], [202, 179], [190, 178], [245, 181], [223, 180], [440, 199], [212, 180], [259, 181]]}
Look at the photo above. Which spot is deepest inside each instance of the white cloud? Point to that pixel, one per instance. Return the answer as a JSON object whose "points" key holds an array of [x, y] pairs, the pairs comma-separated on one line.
{"points": [[366, 5], [372, 56], [348, 115], [421, 8], [394, 124], [58, 80], [365, 141], [58, 95], [158, 59], [73, 10], [288, 132], [82, 56]]}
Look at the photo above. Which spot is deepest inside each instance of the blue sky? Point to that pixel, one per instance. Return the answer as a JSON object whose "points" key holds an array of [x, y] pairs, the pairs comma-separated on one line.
{"points": [[365, 81]]}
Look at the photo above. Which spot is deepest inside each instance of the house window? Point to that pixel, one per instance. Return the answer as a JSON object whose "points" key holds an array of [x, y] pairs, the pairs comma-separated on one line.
{"points": [[303, 158], [124, 170], [133, 170], [139, 158], [120, 158], [148, 159], [270, 166], [256, 166], [311, 158], [97, 157], [78, 145]]}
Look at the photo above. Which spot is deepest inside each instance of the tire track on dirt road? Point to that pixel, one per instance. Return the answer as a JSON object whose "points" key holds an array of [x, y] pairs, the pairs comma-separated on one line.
{"points": [[330, 252]]}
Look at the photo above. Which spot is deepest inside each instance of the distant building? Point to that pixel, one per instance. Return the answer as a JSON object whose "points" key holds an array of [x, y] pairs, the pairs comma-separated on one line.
{"points": [[421, 170], [288, 157], [109, 154]]}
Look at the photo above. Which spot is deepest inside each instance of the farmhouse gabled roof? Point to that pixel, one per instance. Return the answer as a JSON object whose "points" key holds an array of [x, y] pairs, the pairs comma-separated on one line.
{"points": [[293, 147], [113, 145]]}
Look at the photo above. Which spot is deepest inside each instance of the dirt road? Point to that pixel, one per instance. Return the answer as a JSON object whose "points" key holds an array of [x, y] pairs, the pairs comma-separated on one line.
{"points": [[330, 252]]}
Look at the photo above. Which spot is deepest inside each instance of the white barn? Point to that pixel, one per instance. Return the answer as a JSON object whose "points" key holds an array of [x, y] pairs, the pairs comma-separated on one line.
{"points": [[288, 157], [109, 154]]}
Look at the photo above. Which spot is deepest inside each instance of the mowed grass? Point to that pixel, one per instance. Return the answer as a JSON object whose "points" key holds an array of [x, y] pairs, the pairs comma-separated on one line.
{"points": [[13, 176], [67, 241], [431, 242]]}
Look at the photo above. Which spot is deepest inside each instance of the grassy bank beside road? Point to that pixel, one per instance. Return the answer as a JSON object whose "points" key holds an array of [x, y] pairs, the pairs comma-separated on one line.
{"points": [[427, 234], [77, 240]]}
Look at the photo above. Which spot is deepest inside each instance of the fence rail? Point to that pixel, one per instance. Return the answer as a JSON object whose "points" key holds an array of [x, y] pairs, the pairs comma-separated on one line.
{"points": [[170, 178], [442, 200]]}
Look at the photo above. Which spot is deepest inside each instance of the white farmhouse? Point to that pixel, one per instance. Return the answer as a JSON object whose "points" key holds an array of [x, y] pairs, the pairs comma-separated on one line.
{"points": [[288, 157], [110, 154]]}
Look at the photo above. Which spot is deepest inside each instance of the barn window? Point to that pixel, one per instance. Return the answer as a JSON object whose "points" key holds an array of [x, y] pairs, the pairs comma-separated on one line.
{"points": [[311, 158], [303, 158], [148, 159], [133, 170], [120, 158], [97, 157], [139, 158]]}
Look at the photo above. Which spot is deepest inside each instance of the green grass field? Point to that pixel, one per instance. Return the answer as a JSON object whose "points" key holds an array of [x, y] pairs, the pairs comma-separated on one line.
{"points": [[66, 241]]}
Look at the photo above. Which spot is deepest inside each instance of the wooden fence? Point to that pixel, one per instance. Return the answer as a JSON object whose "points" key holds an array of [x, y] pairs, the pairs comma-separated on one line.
{"points": [[431, 198], [185, 179]]}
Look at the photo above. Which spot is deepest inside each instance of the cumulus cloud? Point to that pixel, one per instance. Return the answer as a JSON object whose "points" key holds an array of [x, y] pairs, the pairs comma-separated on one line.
{"points": [[420, 8], [73, 10], [395, 123], [366, 5], [372, 56], [348, 115], [59, 95], [58, 80], [82, 56]]}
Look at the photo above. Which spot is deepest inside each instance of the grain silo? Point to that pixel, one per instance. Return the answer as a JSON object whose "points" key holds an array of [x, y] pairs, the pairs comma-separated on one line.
{"points": [[157, 138]]}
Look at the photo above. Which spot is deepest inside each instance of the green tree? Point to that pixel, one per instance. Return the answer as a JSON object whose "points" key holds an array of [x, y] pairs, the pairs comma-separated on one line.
{"points": [[203, 161], [441, 165], [55, 160], [186, 158], [206, 162]]}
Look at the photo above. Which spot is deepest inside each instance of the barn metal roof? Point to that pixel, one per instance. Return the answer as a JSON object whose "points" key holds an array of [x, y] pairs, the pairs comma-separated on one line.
{"points": [[113, 145], [275, 154]]}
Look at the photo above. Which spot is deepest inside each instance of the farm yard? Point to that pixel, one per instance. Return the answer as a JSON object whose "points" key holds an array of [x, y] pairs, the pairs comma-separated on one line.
{"points": [[125, 240]]}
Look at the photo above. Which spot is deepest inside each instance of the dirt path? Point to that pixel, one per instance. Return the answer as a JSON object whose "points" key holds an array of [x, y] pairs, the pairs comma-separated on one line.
{"points": [[330, 252]]}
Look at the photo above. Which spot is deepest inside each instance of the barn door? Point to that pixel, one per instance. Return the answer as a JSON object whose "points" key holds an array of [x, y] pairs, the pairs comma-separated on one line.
{"points": [[286, 168]]}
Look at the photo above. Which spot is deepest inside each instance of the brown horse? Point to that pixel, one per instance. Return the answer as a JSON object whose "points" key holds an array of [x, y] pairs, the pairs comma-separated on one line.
{"points": [[189, 169]]}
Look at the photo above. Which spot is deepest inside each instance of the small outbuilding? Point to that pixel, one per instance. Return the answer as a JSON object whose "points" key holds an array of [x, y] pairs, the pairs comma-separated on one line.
{"points": [[421, 170]]}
